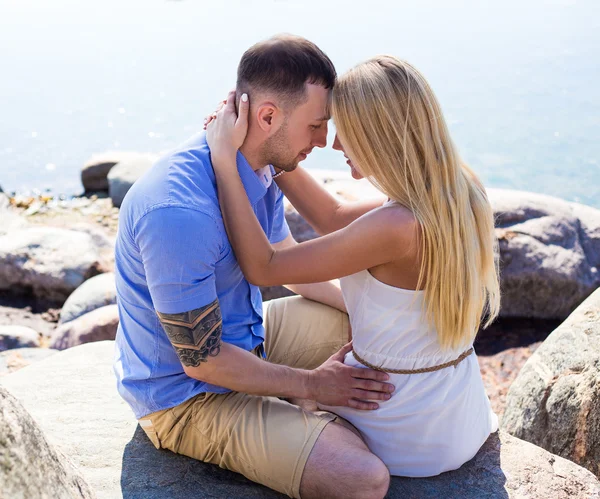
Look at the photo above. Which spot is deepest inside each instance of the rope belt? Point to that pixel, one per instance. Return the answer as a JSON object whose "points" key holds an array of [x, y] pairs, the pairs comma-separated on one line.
{"points": [[454, 363]]}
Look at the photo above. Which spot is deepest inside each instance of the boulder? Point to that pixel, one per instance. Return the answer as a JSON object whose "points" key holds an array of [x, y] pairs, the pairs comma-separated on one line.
{"points": [[94, 293], [18, 337], [272, 292], [98, 325], [549, 253], [49, 262], [18, 358], [29, 466], [94, 174], [122, 176], [555, 400], [103, 241], [11, 221], [73, 397]]}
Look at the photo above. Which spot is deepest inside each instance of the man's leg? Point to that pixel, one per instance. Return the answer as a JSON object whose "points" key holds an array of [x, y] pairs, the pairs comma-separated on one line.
{"points": [[302, 454], [264, 438], [303, 334], [341, 465]]}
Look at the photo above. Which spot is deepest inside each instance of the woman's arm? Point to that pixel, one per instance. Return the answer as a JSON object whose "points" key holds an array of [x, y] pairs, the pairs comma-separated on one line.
{"points": [[327, 292], [371, 240], [319, 208]]}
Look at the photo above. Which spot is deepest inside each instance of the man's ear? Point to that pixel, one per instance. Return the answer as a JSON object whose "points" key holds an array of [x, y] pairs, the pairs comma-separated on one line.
{"points": [[269, 117]]}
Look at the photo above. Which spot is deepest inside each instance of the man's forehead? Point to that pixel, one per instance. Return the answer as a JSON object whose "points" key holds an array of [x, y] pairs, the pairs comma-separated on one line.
{"points": [[321, 102]]}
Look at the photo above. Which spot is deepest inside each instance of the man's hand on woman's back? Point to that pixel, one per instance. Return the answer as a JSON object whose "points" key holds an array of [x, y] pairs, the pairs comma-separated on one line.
{"points": [[336, 384]]}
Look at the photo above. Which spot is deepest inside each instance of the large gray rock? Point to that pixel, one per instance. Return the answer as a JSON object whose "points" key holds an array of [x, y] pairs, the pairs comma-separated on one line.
{"points": [[555, 400], [123, 175], [18, 337], [94, 174], [49, 262], [29, 466], [550, 253], [73, 397], [103, 241], [94, 293], [98, 325], [18, 358]]}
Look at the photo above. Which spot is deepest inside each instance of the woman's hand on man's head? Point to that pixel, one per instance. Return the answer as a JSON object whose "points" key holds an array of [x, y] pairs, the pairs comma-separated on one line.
{"points": [[227, 129]]}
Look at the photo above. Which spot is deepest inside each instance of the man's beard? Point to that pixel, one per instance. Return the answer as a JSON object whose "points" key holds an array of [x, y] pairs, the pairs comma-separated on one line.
{"points": [[276, 151]]}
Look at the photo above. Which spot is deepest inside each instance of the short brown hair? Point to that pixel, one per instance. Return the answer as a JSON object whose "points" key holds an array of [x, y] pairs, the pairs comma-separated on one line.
{"points": [[283, 64]]}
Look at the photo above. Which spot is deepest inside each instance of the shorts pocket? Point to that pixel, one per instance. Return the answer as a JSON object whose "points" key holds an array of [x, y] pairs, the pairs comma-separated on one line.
{"points": [[148, 428]]}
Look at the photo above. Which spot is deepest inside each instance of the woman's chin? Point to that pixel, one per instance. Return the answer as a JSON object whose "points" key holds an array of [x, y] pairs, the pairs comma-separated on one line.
{"points": [[355, 174]]}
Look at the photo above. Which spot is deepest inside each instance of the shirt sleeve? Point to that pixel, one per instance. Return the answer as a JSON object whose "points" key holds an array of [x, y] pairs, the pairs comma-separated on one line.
{"points": [[179, 248], [280, 226]]}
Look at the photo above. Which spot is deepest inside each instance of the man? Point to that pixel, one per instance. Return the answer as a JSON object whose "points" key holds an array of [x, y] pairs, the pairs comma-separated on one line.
{"points": [[193, 338]]}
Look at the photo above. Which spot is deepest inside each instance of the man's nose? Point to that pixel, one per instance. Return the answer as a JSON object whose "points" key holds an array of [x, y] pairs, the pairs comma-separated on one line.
{"points": [[320, 138]]}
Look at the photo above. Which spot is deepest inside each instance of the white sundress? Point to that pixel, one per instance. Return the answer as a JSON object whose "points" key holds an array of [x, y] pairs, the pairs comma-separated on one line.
{"points": [[434, 422]]}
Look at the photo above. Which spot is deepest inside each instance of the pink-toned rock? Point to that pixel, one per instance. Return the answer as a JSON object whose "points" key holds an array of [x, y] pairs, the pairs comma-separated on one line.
{"points": [[18, 358], [97, 325], [555, 400]]}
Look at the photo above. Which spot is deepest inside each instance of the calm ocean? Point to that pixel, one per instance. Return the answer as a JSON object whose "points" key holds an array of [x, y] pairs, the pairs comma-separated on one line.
{"points": [[518, 80]]}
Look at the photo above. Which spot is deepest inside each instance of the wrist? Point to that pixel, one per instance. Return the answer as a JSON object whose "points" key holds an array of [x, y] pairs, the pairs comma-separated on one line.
{"points": [[308, 383], [223, 156]]}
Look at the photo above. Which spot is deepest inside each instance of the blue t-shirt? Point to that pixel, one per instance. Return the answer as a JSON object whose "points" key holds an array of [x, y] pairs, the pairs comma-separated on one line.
{"points": [[173, 255]]}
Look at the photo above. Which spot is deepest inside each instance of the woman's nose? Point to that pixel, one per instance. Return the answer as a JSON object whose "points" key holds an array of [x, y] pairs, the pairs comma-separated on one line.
{"points": [[337, 144]]}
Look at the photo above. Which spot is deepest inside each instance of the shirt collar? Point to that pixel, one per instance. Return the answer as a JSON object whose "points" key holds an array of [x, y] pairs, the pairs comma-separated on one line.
{"points": [[265, 176], [253, 185]]}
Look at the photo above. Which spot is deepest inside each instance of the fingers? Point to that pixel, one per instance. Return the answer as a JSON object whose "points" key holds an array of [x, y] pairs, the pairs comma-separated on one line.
{"points": [[359, 372], [212, 116], [209, 119], [369, 395], [243, 110], [373, 386], [362, 405], [341, 353], [230, 104]]}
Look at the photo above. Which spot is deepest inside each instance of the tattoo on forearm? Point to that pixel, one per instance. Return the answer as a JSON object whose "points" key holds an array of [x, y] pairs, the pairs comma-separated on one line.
{"points": [[195, 334]]}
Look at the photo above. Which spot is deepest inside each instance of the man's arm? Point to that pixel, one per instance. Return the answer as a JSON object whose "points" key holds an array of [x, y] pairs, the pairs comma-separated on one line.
{"points": [[180, 272], [197, 338], [327, 292]]}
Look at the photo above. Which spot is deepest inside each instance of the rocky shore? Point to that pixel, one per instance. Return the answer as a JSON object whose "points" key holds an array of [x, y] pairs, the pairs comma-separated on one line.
{"points": [[57, 311]]}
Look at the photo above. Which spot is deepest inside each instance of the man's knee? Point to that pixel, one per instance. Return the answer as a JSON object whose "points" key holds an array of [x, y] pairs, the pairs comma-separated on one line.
{"points": [[375, 478], [341, 465], [367, 477]]}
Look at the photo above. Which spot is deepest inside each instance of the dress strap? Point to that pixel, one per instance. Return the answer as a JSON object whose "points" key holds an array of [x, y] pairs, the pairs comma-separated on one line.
{"points": [[454, 363]]}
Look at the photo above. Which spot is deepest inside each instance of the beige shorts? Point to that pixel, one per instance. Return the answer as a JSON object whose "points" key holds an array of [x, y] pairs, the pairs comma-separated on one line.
{"points": [[266, 439]]}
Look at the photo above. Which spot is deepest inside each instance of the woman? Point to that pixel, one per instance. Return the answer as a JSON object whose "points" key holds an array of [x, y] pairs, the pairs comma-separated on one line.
{"points": [[418, 274]]}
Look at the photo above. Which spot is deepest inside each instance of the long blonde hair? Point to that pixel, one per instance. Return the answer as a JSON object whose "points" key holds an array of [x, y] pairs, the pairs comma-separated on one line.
{"points": [[392, 128]]}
